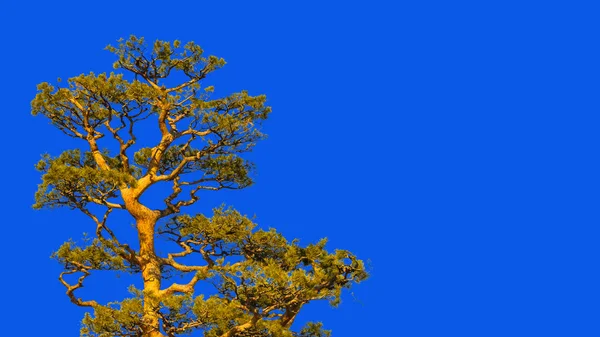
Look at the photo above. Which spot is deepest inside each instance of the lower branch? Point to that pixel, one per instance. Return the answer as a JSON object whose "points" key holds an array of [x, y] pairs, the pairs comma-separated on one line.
{"points": [[182, 288], [240, 328], [71, 288]]}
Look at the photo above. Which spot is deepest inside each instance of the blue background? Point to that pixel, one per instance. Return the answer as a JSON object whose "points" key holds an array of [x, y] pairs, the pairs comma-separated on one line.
{"points": [[452, 144]]}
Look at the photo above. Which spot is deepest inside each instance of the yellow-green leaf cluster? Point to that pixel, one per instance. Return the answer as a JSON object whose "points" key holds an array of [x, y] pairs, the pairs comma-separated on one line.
{"points": [[114, 319], [95, 256], [73, 179]]}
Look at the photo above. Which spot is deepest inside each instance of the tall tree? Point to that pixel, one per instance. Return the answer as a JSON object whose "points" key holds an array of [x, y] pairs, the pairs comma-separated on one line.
{"points": [[260, 281]]}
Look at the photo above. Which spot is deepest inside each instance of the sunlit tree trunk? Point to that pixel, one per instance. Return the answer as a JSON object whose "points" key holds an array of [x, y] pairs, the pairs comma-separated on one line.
{"points": [[152, 277], [146, 222]]}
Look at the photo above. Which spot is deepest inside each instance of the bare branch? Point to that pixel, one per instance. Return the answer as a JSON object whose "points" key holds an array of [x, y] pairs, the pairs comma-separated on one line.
{"points": [[183, 267], [71, 288], [122, 250], [240, 328], [188, 83], [103, 202], [187, 288]]}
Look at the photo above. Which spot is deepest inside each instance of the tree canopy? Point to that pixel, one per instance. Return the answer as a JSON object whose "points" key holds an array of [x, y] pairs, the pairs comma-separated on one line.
{"points": [[260, 281]]}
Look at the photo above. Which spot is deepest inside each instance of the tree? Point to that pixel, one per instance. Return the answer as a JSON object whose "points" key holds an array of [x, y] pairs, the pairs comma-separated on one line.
{"points": [[260, 280]]}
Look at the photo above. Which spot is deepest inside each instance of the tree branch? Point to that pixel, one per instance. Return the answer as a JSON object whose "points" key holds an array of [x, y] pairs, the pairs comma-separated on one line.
{"points": [[240, 328], [71, 288], [187, 288], [124, 251]]}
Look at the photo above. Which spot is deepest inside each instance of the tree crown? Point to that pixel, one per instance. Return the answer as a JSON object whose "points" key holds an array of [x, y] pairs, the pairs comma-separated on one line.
{"points": [[261, 280]]}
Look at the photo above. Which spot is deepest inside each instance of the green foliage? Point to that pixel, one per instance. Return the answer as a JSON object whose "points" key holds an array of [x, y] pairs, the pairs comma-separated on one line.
{"points": [[163, 59], [272, 277], [220, 168], [114, 319], [91, 100], [314, 330], [225, 226], [73, 179], [94, 256], [260, 281], [94, 106]]}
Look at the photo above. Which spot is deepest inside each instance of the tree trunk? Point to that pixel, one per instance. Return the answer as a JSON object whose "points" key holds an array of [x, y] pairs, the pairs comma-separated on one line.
{"points": [[149, 262], [152, 276]]}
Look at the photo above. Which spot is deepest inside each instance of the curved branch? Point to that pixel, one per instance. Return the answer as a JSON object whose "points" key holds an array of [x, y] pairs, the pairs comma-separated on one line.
{"points": [[240, 328], [187, 288], [71, 288], [183, 267], [101, 202], [123, 250]]}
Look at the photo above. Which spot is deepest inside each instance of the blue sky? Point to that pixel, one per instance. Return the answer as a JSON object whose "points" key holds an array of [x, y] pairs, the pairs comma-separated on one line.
{"points": [[453, 145]]}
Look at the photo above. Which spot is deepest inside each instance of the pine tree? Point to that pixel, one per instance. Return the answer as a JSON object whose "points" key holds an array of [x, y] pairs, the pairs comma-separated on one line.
{"points": [[261, 280]]}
